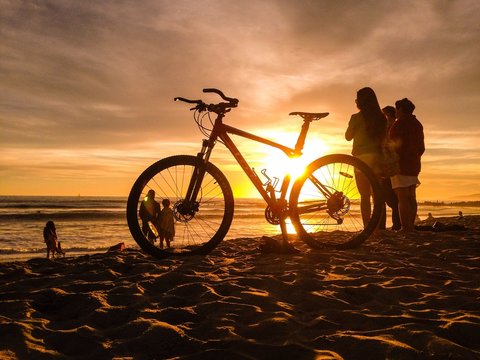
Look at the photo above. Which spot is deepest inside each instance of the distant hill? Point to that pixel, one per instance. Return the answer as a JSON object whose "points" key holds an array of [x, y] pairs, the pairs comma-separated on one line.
{"points": [[471, 203], [467, 197]]}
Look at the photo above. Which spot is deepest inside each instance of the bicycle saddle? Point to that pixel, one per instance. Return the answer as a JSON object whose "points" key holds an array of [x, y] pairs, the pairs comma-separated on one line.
{"points": [[310, 116]]}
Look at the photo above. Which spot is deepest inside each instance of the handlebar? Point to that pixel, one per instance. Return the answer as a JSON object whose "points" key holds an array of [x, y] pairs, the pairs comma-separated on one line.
{"points": [[217, 108]]}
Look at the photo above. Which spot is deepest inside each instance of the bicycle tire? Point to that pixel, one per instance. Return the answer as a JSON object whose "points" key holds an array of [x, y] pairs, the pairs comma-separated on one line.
{"points": [[169, 178], [338, 222]]}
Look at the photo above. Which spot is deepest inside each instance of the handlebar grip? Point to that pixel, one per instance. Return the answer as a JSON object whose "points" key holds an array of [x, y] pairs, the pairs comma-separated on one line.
{"points": [[232, 101], [216, 91], [187, 100]]}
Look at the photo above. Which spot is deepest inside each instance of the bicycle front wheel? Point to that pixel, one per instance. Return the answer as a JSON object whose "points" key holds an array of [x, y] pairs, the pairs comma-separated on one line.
{"points": [[336, 202], [197, 232]]}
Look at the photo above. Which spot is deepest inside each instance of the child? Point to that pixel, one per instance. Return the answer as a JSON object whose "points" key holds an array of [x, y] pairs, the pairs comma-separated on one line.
{"points": [[50, 237], [167, 224]]}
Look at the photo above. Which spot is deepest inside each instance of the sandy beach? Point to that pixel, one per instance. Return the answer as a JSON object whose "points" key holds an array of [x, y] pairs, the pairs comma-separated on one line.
{"points": [[395, 297]]}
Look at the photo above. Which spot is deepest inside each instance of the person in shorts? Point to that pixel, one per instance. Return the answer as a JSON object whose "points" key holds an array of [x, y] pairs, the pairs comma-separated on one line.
{"points": [[406, 135]]}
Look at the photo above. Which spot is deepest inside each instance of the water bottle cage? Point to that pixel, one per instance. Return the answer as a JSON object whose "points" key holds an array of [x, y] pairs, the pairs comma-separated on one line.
{"points": [[269, 184]]}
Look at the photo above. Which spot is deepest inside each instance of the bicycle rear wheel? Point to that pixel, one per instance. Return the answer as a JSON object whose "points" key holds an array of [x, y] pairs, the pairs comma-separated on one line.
{"points": [[325, 202], [196, 232]]}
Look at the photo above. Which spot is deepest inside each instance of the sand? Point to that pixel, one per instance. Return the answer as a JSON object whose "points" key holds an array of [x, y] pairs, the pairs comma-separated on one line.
{"points": [[395, 297]]}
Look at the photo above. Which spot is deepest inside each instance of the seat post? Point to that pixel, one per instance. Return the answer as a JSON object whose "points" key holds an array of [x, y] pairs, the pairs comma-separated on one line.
{"points": [[302, 136]]}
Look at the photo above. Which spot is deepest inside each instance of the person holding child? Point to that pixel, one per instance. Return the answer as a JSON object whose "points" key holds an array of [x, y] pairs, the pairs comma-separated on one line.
{"points": [[149, 213], [51, 240], [166, 224]]}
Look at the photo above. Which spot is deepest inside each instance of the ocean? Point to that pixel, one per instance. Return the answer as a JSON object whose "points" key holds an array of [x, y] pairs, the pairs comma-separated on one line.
{"points": [[88, 225]]}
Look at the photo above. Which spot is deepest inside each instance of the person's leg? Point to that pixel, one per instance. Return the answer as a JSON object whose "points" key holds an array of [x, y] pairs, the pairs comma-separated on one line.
{"points": [[382, 225], [145, 228], [162, 236], [392, 202], [396, 223], [412, 195], [364, 189], [404, 207], [387, 194], [167, 241], [148, 232]]}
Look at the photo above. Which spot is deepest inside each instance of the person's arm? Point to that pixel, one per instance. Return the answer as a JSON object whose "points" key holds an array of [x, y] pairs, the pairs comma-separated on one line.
{"points": [[350, 130], [421, 141], [394, 136]]}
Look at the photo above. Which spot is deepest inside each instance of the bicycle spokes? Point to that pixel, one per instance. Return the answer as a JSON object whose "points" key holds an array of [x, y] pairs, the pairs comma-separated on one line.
{"points": [[331, 198], [199, 224]]}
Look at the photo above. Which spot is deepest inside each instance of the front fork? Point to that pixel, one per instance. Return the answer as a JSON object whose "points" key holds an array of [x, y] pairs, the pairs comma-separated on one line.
{"points": [[190, 205]]}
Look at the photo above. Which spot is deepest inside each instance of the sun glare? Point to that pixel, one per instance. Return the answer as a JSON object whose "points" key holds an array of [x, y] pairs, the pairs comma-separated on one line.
{"points": [[280, 165], [272, 164]]}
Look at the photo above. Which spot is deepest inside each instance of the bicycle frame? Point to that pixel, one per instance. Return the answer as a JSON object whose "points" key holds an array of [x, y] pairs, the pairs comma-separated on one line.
{"points": [[267, 191], [222, 131]]}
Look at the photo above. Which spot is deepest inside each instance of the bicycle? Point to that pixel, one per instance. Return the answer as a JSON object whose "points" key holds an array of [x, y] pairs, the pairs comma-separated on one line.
{"points": [[323, 201]]}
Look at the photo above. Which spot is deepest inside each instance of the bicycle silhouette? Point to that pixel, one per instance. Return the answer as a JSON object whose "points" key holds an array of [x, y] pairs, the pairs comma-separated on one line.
{"points": [[323, 203]]}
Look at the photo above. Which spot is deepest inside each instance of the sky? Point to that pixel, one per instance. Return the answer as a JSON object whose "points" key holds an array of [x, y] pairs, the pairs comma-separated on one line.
{"points": [[87, 87]]}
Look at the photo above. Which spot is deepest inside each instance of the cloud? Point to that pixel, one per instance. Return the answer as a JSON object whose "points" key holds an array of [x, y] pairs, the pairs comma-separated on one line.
{"points": [[101, 76]]}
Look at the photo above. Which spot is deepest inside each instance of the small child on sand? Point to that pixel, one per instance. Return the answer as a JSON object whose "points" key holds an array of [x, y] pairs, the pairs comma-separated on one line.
{"points": [[167, 224]]}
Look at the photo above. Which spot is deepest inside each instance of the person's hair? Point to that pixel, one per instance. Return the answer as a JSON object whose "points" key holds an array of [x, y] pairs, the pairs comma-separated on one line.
{"points": [[406, 105], [151, 194], [166, 202], [50, 225], [389, 110], [370, 109]]}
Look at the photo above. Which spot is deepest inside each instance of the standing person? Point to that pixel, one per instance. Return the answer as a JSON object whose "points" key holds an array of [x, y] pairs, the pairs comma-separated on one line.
{"points": [[388, 193], [167, 224], [367, 129], [149, 213], [407, 137], [50, 238]]}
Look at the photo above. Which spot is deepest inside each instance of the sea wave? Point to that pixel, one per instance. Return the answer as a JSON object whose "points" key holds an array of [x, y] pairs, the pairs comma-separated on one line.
{"points": [[70, 215]]}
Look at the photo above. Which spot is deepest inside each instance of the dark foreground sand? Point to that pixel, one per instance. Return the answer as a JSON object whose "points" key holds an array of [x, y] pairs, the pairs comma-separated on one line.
{"points": [[392, 298]]}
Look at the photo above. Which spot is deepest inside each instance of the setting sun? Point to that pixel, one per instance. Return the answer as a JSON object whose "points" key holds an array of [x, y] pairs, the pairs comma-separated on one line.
{"points": [[278, 164]]}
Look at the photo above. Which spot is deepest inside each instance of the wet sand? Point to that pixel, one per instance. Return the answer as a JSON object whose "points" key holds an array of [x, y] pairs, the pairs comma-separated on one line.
{"points": [[395, 297]]}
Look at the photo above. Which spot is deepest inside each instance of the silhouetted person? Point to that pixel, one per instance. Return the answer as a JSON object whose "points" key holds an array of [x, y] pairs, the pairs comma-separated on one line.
{"points": [[51, 240], [367, 128], [388, 193], [460, 215], [408, 140], [167, 224], [149, 213]]}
